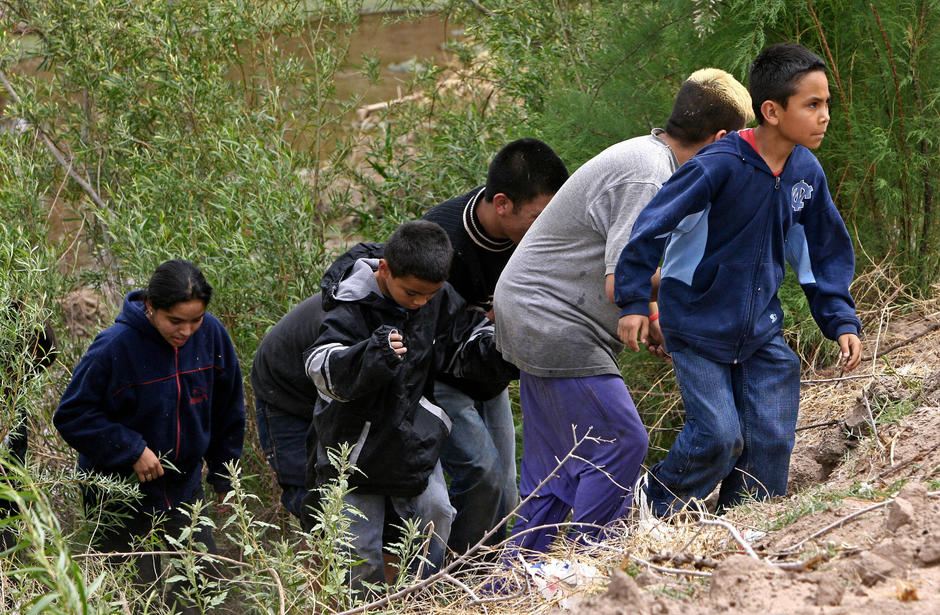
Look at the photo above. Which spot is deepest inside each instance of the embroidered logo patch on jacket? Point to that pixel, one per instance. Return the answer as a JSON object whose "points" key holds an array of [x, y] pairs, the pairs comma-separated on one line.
{"points": [[800, 193]]}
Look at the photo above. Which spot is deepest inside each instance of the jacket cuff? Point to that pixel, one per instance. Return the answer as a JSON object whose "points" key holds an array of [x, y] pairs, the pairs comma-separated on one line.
{"points": [[381, 337], [847, 327], [132, 453], [641, 308]]}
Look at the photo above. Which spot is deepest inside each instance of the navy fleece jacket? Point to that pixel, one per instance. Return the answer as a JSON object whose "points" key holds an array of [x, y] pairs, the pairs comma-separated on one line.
{"points": [[132, 389]]}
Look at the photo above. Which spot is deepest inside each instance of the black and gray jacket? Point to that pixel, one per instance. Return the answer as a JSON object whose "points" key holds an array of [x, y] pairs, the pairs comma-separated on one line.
{"points": [[372, 398]]}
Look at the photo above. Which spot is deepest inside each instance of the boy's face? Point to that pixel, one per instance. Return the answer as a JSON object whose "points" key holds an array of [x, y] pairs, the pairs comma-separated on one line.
{"points": [[806, 118], [407, 291]]}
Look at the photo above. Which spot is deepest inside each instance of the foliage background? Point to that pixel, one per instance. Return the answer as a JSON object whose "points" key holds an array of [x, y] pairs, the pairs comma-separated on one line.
{"points": [[196, 134]]}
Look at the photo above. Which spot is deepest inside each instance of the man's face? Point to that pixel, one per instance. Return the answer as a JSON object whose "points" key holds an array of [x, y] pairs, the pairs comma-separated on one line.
{"points": [[516, 221]]}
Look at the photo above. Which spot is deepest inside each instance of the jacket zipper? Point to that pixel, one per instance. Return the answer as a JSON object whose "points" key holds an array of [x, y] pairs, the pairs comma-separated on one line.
{"points": [[179, 395], [750, 302]]}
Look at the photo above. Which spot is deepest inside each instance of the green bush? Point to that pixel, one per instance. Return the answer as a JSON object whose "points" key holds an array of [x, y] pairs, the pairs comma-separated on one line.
{"points": [[592, 73]]}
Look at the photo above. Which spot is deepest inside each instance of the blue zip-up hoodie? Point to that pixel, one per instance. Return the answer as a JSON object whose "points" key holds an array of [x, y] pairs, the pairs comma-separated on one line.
{"points": [[132, 389], [729, 224]]}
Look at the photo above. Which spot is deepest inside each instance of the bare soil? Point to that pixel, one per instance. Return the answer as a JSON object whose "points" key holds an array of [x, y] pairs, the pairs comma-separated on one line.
{"points": [[860, 531]]}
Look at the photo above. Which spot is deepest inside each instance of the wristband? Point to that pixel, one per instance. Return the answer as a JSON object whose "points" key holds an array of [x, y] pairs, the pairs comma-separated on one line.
{"points": [[654, 316]]}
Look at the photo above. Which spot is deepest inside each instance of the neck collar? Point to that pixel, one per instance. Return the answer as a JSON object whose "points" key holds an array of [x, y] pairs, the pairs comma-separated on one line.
{"points": [[471, 223]]}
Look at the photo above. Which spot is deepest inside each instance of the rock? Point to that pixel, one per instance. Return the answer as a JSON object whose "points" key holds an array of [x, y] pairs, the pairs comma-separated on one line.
{"points": [[647, 578], [873, 568], [830, 451], [623, 597], [804, 471], [623, 589], [829, 590], [930, 389], [741, 581], [899, 550], [900, 513], [915, 493], [857, 423], [928, 554]]}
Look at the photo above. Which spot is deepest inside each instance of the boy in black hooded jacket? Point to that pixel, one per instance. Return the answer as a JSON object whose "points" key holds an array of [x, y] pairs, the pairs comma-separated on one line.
{"points": [[389, 324]]}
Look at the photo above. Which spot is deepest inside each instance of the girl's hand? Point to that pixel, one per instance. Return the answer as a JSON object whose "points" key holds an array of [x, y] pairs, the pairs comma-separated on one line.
{"points": [[148, 467]]}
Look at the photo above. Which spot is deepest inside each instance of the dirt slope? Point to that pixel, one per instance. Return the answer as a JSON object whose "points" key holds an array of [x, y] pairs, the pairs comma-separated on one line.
{"points": [[860, 532]]}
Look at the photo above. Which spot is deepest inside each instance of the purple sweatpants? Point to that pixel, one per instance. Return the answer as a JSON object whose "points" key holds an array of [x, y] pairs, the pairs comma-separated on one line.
{"points": [[597, 486]]}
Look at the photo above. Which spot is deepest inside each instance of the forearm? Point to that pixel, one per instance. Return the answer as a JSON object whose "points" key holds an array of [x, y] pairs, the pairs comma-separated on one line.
{"points": [[348, 372]]}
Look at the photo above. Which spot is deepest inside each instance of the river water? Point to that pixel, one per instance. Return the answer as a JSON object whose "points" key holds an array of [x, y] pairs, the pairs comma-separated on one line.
{"points": [[394, 43]]}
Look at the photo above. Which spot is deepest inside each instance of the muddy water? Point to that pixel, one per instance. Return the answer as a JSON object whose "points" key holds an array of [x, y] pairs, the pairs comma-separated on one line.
{"points": [[397, 44], [394, 42]]}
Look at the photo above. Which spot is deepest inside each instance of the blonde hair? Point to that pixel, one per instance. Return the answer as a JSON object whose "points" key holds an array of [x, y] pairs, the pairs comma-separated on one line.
{"points": [[709, 101], [723, 84]]}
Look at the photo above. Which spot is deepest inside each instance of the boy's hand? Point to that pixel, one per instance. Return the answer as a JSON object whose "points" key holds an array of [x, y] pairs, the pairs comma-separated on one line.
{"points": [[148, 467], [655, 342], [395, 341], [632, 326], [851, 348]]}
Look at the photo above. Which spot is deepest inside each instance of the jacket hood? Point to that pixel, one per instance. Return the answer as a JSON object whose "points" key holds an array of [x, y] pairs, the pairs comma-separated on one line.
{"points": [[133, 314], [348, 279], [735, 145]]}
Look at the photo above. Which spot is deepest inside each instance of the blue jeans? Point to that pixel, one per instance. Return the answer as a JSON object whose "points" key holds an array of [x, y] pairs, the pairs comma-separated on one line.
{"points": [[596, 485], [431, 507], [479, 456], [740, 422], [283, 439]]}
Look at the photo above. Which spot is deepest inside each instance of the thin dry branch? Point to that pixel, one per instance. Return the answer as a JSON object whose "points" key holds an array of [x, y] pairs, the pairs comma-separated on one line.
{"points": [[447, 570], [734, 534], [840, 522], [909, 340], [463, 586], [648, 564]]}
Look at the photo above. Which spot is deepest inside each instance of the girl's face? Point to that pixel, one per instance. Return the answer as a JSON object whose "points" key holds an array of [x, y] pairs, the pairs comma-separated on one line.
{"points": [[177, 323]]}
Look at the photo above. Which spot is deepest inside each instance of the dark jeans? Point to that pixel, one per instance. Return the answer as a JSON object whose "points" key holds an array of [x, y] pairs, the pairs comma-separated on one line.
{"points": [[283, 439], [124, 535], [740, 423], [480, 458]]}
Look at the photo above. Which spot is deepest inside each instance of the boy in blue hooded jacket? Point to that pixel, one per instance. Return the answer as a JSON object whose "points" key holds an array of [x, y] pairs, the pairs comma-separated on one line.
{"points": [[730, 217]]}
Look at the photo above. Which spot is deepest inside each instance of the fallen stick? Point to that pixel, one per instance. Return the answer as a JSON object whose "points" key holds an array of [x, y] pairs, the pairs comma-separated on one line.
{"points": [[905, 342], [843, 520]]}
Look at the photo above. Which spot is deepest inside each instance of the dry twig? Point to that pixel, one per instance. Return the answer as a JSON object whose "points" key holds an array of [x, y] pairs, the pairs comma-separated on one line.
{"points": [[839, 522]]}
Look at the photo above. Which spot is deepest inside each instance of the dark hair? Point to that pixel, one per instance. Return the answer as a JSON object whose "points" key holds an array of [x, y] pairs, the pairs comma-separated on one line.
{"points": [[420, 248], [776, 71], [174, 282], [524, 170], [708, 101]]}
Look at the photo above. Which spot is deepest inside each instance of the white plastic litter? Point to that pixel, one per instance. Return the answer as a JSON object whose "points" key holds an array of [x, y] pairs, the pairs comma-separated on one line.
{"points": [[559, 580]]}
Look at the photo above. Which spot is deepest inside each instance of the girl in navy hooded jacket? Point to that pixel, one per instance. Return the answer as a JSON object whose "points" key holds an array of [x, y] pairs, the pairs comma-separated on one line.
{"points": [[162, 384]]}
